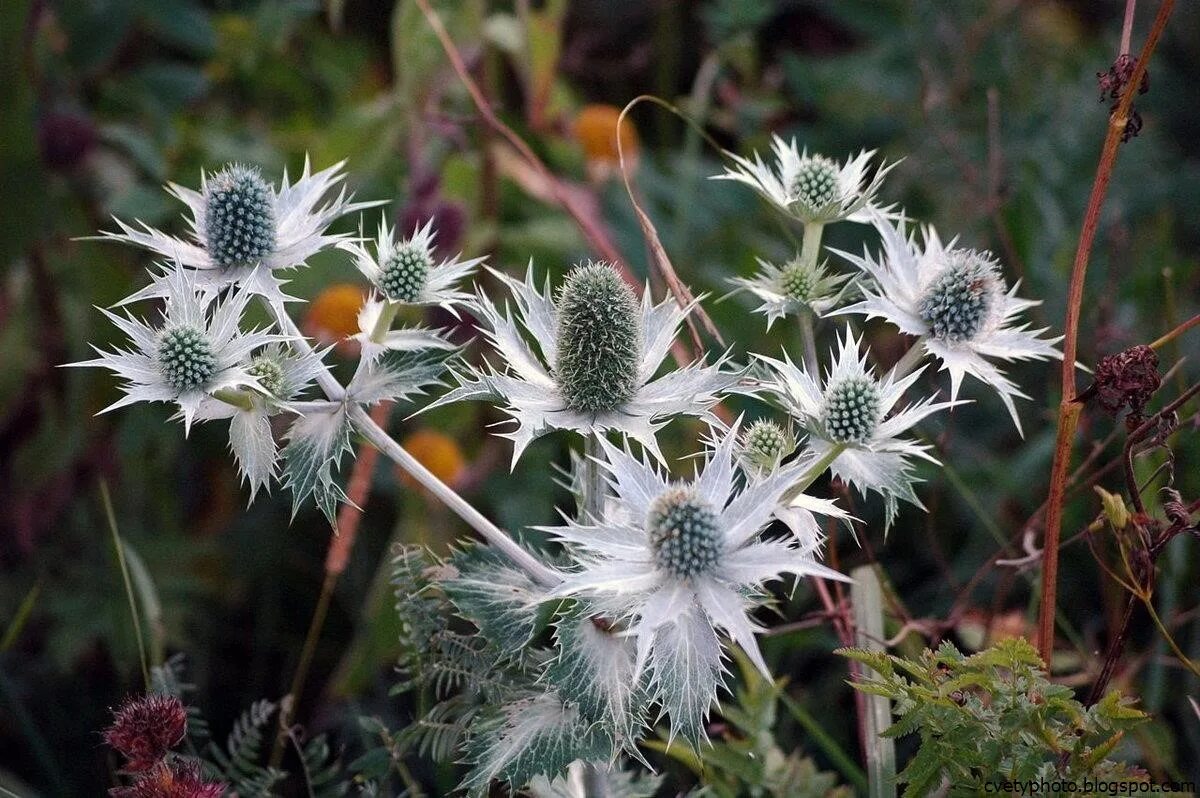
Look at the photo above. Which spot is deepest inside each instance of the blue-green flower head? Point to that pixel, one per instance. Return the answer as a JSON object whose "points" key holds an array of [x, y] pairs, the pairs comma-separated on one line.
{"points": [[239, 216], [685, 534]]}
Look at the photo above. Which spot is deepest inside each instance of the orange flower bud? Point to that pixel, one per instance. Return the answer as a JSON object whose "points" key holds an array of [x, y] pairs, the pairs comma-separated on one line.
{"points": [[596, 128], [333, 316], [438, 452]]}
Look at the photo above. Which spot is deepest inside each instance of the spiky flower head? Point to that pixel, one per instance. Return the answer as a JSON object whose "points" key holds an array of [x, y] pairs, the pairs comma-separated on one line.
{"points": [[178, 779], [853, 406], [955, 301], [599, 339], [244, 231], [405, 271], [793, 287], [677, 562], [684, 533], [239, 216], [847, 418], [145, 728], [267, 370], [594, 364], [764, 445], [196, 352], [811, 188]]}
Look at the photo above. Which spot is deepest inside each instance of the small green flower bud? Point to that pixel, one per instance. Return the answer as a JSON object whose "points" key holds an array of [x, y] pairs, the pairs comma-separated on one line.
{"points": [[269, 373], [764, 445]]}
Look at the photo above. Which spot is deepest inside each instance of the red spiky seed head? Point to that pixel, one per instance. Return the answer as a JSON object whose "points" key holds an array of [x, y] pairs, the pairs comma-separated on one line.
{"points": [[145, 728]]}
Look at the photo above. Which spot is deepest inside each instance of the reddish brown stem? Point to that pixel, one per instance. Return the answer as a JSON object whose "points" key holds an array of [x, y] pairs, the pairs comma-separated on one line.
{"points": [[1068, 409]]}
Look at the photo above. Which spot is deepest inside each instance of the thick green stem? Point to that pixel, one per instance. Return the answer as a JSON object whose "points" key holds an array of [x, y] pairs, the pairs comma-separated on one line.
{"points": [[811, 248], [815, 470]]}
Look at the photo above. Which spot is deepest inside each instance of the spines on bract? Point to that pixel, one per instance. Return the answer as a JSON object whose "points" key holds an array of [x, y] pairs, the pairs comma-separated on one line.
{"points": [[599, 339], [239, 216]]}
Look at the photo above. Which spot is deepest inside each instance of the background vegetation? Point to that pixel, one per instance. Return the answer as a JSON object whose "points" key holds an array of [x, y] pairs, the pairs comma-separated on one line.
{"points": [[991, 103]]}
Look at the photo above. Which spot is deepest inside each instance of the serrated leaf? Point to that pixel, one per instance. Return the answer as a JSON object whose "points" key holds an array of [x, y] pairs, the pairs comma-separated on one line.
{"points": [[316, 443], [536, 735], [594, 669], [685, 672], [499, 599], [398, 376]]}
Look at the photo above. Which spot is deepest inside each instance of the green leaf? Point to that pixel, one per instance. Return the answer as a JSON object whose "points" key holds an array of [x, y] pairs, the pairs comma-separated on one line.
{"points": [[535, 735], [316, 443], [501, 600]]}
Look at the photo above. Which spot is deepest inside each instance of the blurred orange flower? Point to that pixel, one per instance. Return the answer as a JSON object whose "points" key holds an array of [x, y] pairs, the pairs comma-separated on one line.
{"points": [[596, 128], [436, 451], [333, 316]]}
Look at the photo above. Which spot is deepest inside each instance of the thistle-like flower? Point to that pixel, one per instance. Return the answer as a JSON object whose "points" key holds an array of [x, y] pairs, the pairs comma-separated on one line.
{"points": [[178, 779], [145, 728], [593, 370], [812, 188], [796, 285], [194, 353], [677, 562], [850, 424], [282, 375], [239, 222], [405, 272], [958, 304]]}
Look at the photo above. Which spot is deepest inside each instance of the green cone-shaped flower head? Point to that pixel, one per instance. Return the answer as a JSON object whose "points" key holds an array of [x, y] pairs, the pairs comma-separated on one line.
{"points": [[852, 409], [959, 301], [599, 339]]}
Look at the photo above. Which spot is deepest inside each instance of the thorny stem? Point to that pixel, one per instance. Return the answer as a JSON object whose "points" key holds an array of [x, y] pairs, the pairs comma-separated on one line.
{"points": [[1068, 409]]}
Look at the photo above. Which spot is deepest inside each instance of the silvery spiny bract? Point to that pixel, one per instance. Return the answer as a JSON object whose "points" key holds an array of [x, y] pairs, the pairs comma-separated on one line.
{"points": [[240, 223], [957, 304], [680, 562], [594, 364], [812, 188], [847, 418], [196, 352]]}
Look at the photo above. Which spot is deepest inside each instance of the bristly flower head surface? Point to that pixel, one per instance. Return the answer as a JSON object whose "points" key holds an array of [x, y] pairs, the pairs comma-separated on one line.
{"points": [[145, 728], [239, 216], [594, 365], [599, 339]]}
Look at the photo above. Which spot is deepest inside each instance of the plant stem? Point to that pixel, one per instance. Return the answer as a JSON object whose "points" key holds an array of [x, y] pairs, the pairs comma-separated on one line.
{"points": [[119, 545], [498, 538], [808, 336], [1068, 409], [384, 323], [1175, 333], [815, 471], [810, 250]]}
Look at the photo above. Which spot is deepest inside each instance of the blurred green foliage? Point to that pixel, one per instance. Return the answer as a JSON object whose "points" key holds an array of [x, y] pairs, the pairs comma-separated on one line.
{"points": [[991, 103]]}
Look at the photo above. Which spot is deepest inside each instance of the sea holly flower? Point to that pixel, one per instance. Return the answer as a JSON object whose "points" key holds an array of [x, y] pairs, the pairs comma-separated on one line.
{"points": [[795, 286], [593, 369], [678, 561], [405, 272], [957, 303], [282, 375], [192, 355], [239, 222], [851, 425], [812, 188]]}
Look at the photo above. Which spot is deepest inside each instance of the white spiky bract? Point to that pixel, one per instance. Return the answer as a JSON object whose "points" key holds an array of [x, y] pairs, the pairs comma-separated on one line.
{"points": [[678, 579], [215, 336], [533, 397], [438, 286], [849, 411], [282, 375], [845, 193], [908, 286], [793, 287], [300, 220], [373, 341]]}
